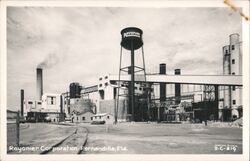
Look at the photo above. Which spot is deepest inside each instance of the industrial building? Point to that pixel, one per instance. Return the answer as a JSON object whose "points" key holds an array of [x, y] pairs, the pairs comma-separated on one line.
{"points": [[47, 107], [168, 101], [103, 117], [136, 96], [231, 100], [83, 117]]}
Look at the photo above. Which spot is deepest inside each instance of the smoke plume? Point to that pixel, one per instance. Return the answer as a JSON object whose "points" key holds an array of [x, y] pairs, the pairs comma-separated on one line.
{"points": [[50, 60]]}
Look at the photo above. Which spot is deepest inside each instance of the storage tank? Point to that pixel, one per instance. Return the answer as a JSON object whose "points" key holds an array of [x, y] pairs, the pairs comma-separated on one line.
{"points": [[75, 90], [131, 38]]}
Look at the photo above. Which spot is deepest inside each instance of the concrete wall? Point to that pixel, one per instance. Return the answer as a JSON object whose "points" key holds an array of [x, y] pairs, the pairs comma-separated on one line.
{"points": [[108, 106], [48, 105], [31, 106]]}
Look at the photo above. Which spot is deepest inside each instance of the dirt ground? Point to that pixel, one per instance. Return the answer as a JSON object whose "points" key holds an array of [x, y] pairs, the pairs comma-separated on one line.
{"points": [[41, 135], [138, 138], [143, 138]]}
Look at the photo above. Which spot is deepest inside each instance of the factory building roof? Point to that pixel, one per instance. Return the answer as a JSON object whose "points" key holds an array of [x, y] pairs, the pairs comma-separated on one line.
{"points": [[102, 114], [80, 113]]}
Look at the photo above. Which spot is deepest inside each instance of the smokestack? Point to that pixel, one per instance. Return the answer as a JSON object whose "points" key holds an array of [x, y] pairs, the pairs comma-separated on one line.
{"points": [[177, 88], [22, 99], [39, 83], [162, 71], [163, 85]]}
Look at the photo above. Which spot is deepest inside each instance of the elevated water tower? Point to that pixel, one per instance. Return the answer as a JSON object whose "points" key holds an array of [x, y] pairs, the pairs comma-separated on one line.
{"points": [[131, 40]]}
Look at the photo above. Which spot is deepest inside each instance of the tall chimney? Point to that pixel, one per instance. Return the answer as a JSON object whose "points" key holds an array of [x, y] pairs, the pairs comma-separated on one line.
{"points": [[162, 71], [22, 99], [163, 85], [177, 88], [39, 83]]}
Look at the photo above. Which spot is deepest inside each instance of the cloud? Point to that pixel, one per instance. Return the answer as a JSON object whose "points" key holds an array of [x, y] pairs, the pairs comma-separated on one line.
{"points": [[80, 44]]}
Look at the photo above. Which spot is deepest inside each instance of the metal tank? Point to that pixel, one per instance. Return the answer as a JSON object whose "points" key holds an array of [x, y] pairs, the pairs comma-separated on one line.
{"points": [[131, 38], [75, 90]]}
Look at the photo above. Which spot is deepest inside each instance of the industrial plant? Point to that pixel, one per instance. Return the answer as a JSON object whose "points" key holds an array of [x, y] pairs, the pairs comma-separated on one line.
{"points": [[135, 95]]}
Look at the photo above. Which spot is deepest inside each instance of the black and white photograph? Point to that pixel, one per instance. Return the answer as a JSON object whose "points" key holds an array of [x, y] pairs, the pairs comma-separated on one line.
{"points": [[111, 80]]}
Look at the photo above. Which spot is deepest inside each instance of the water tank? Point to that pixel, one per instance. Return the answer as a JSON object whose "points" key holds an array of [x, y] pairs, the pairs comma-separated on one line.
{"points": [[75, 90], [131, 38]]}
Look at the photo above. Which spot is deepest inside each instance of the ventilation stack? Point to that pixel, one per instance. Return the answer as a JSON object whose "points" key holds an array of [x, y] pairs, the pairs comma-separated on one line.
{"points": [[39, 83]]}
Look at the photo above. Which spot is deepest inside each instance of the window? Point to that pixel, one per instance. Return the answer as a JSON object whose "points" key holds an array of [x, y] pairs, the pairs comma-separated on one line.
{"points": [[233, 88], [107, 117], [51, 100], [135, 87], [100, 117], [100, 78], [39, 103], [106, 77], [106, 84], [234, 102], [233, 73], [100, 85], [91, 118], [233, 61], [226, 51], [232, 47], [30, 103], [77, 118], [83, 118]]}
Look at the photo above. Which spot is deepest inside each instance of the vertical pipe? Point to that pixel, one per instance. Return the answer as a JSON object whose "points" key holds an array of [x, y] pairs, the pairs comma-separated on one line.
{"points": [[129, 93], [177, 87], [147, 85], [61, 104], [61, 115], [68, 102], [132, 81], [216, 96], [22, 99], [17, 128]]}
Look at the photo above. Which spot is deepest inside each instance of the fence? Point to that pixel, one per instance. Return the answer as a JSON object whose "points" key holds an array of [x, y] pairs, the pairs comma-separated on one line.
{"points": [[13, 129]]}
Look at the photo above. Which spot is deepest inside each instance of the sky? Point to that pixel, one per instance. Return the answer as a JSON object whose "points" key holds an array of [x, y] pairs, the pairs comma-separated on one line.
{"points": [[80, 44]]}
